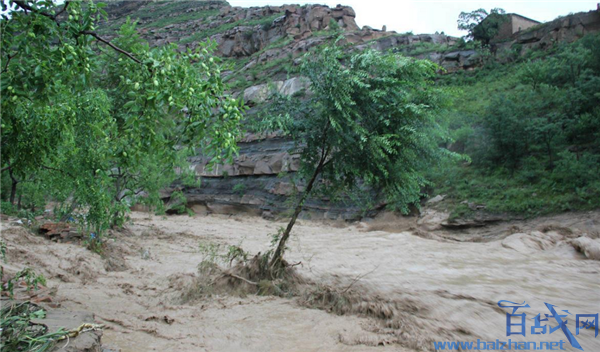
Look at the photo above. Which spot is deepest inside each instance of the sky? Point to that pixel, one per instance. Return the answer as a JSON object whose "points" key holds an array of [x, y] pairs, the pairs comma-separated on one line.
{"points": [[431, 16]]}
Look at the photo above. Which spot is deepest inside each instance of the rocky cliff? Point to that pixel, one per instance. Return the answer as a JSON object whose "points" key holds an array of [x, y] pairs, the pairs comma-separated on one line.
{"points": [[261, 45], [563, 29]]}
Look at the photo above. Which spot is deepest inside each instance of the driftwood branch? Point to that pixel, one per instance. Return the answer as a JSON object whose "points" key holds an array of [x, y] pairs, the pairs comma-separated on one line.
{"points": [[295, 264], [241, 278], [356, 279]]}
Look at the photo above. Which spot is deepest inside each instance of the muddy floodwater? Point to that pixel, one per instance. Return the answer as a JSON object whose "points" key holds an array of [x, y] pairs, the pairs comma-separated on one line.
{"points": [[449, 283]]}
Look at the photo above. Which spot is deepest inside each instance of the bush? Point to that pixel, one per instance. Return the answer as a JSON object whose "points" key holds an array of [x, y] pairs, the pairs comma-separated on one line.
{"points": [[267, 26]]}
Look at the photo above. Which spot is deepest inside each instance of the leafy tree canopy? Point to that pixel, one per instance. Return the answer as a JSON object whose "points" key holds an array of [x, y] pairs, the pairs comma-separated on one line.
{"points": [[481, 25], [369, 123], [97, 122]]}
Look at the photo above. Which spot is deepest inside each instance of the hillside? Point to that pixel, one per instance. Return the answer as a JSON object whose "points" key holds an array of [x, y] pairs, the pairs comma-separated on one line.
{"points": [[448, 176], [262, 46]]}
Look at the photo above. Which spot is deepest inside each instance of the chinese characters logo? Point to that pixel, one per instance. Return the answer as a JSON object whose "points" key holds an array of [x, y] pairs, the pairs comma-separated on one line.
{"points": [[516, 322]]}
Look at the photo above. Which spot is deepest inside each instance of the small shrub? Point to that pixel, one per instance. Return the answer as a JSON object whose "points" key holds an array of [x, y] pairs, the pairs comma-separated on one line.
{"points": [[248, 35], [27, 275], [239, 189], [20, 334], [333, 25], [235, 253], [267, 26]]}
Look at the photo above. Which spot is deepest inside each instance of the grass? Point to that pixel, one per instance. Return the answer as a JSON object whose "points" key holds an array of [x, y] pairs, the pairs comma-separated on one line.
{"points": [[23, 213], [161, 15], [424, 48], [163, 22], [161, 9], [260, 73], [20, 334], [531, 189], [199, 36], [503, 192], [279, 43]]}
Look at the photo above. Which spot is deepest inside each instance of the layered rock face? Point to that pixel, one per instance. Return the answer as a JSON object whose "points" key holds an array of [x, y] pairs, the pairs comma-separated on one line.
{"points": [[258, 41], [257, 182], [566, 29]]}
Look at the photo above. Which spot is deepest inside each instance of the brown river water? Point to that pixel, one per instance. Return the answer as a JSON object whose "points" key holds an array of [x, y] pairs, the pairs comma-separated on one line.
{"points": [[447, 284]]}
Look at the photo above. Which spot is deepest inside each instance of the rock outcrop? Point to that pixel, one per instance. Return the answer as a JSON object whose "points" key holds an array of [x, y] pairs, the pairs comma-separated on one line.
{"points": [[259, 41], [260, 93], [564, 29]]}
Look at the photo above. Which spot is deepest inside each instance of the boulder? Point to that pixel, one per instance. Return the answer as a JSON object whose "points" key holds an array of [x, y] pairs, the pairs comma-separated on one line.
{"points": [[294, 85], [350, 23], [337, 13], [261, 92], [348, 11], [317, 13], [436, 199], [431, 219]]}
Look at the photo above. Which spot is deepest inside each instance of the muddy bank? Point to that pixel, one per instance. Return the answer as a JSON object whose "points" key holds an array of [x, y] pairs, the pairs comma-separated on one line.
{"points": [[448, 287]]}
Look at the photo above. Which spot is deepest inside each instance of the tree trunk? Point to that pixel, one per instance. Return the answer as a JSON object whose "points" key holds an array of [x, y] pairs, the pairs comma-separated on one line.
{"points": [[277, 260], [13, 187], [72, 207], [278, 255], [114, 221]]}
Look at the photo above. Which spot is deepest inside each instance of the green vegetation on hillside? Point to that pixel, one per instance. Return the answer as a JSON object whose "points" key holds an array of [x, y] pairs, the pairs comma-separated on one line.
{"points": [[159, 14], [532, 130], [192, 16], [207, 33]]}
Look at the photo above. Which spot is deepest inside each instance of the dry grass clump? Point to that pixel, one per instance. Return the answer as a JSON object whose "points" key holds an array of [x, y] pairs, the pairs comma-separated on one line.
{"points": [[252, 276], [394, 321]]}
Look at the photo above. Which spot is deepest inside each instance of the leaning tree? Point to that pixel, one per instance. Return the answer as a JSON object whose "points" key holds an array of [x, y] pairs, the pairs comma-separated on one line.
{"points": [[368, 123]]}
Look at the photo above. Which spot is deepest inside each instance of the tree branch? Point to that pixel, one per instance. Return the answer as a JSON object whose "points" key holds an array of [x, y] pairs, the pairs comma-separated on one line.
{"points": [[63, 10], [59, 170], [8, 62], [25, 6], [8, 167], [356, 279], [114, 47], [241, 278]]}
